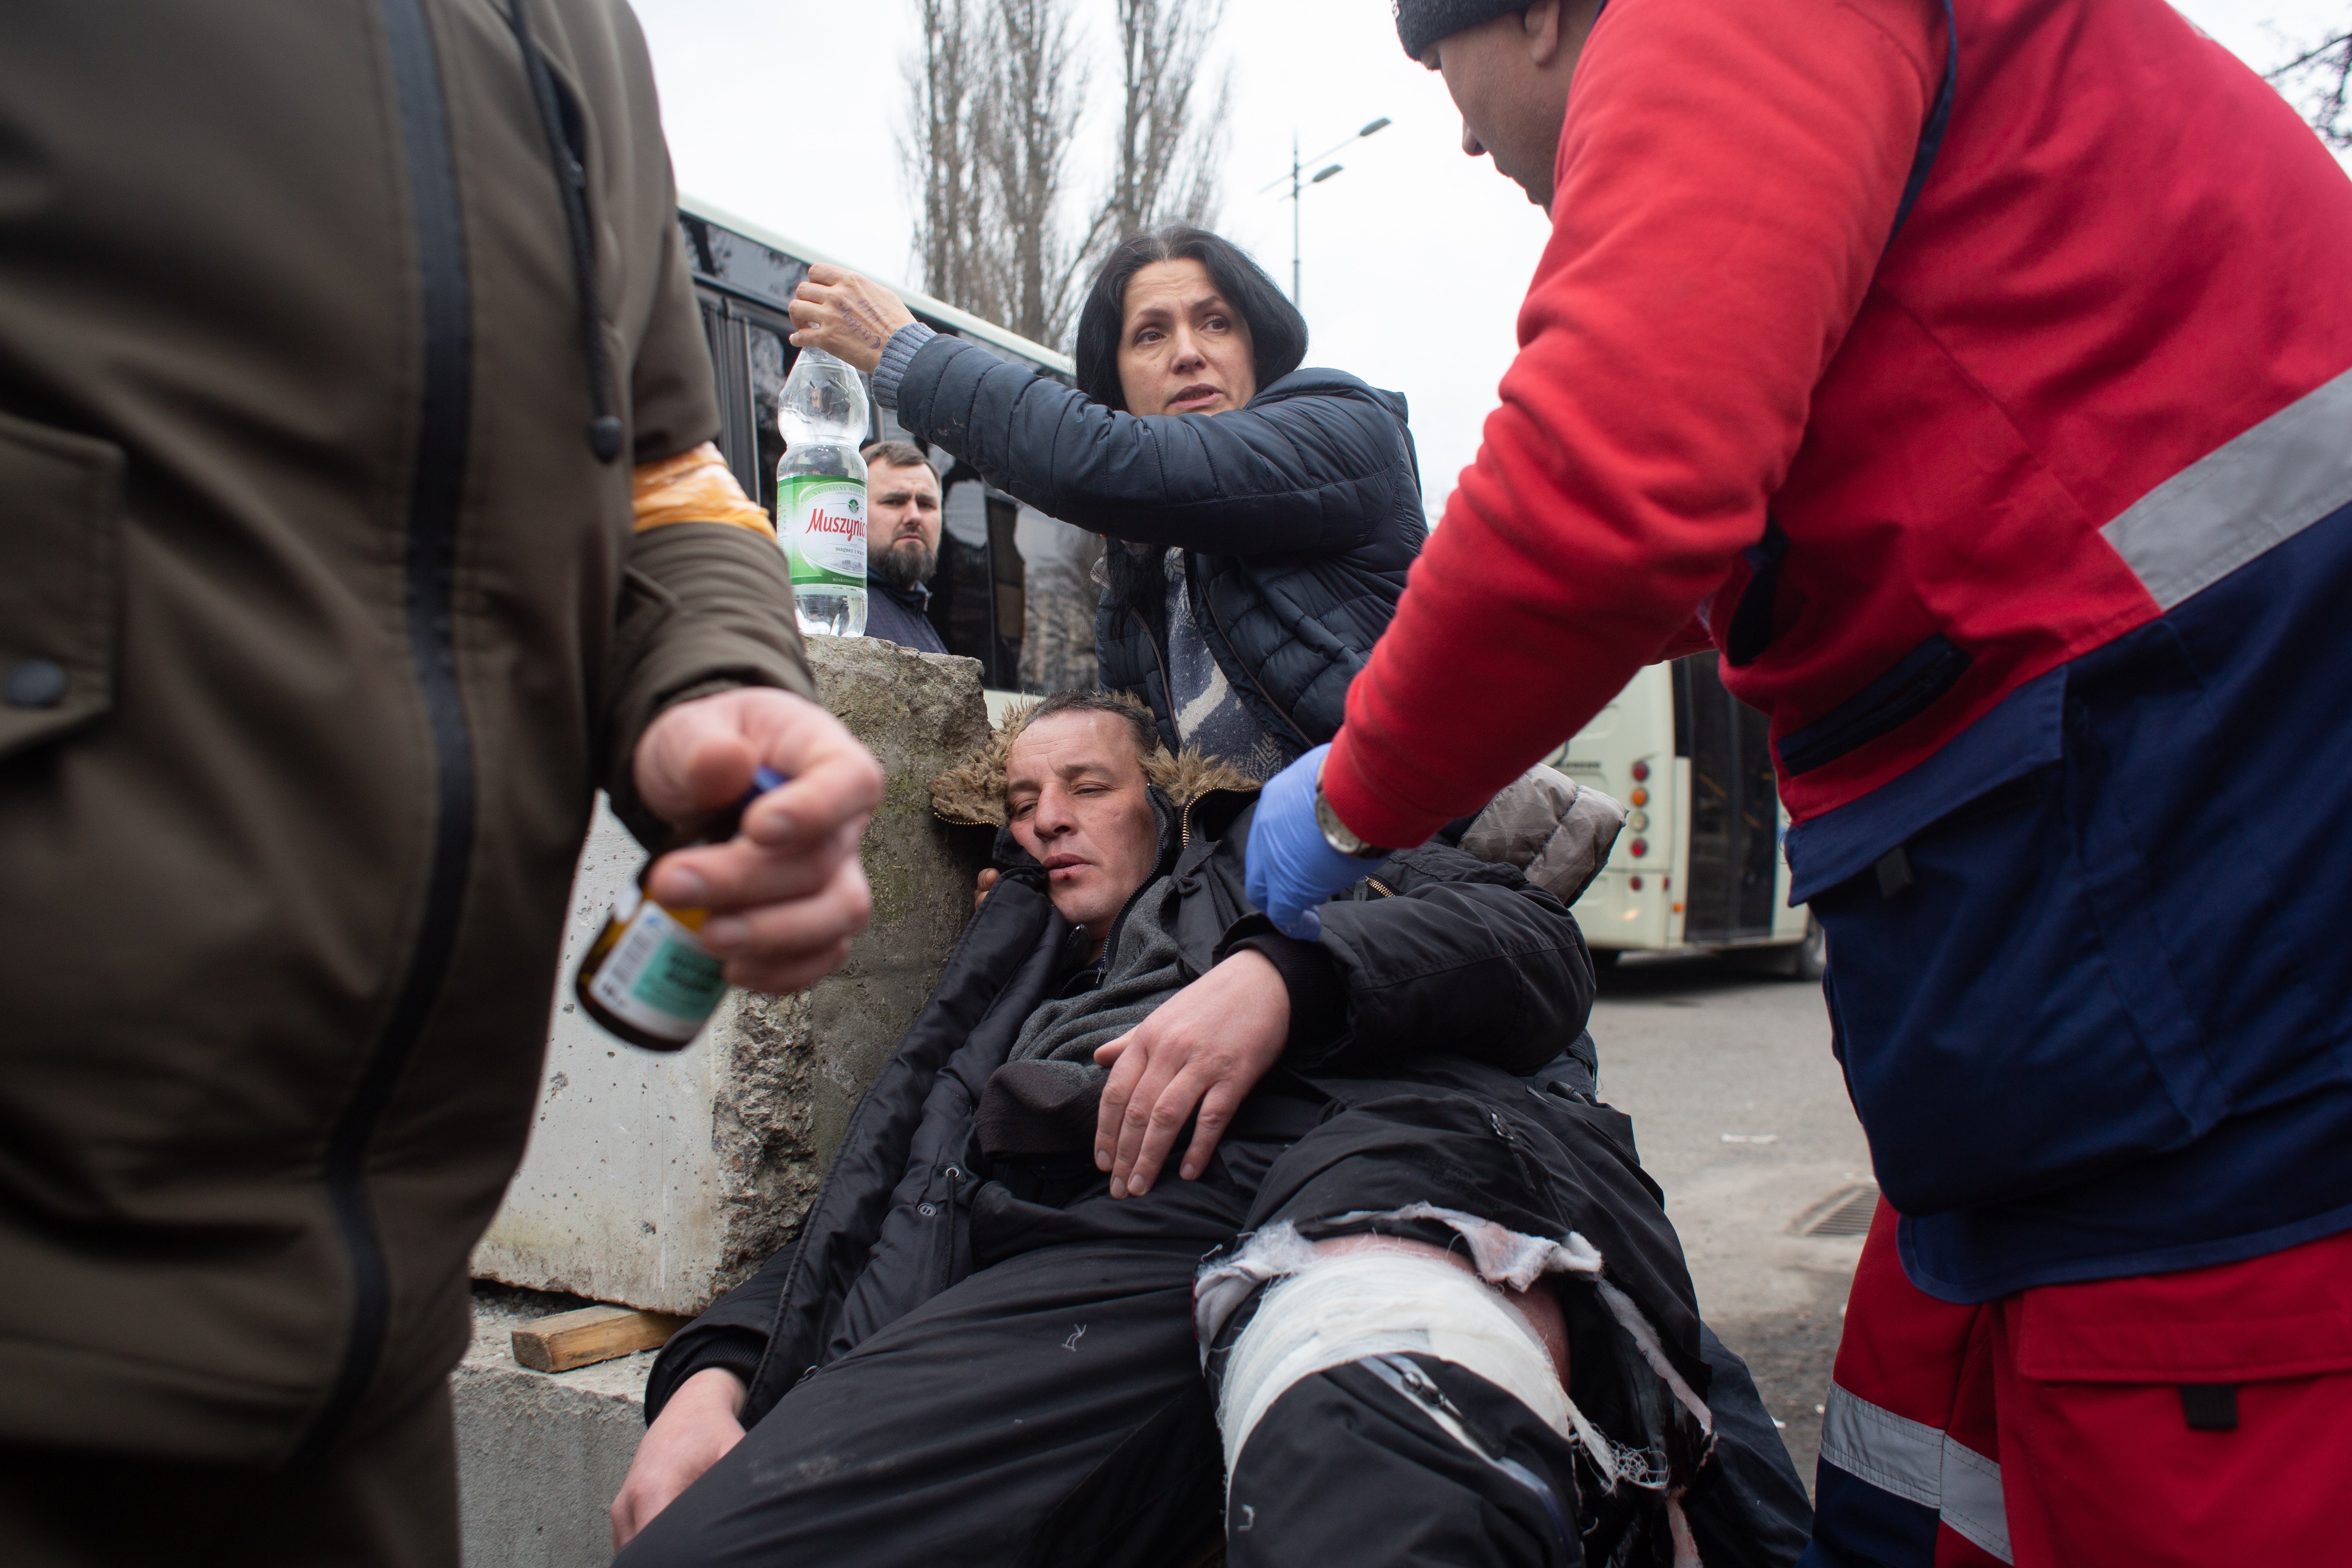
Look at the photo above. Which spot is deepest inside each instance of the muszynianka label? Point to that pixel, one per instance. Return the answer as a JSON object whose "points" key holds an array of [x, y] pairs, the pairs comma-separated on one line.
{"points": [[824, 529]]}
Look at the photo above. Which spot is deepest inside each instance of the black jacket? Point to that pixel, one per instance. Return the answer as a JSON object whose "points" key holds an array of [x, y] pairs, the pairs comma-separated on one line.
{"points": [[1300, 513], [1438, 954]]}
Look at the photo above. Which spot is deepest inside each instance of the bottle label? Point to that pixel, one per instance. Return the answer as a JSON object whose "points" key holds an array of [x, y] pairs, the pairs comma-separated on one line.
{"points": [[657, 976], [823, 519]]}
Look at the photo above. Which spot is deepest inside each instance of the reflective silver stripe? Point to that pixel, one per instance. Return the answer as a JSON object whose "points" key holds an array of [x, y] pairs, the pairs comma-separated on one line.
{"points": [[1973, 1506], [2243, 498], [1920, 1464], [1891, 1452]]}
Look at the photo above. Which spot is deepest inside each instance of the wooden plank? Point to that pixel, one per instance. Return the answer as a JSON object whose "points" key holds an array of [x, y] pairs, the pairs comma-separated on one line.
{"points": [[590, 1334]]}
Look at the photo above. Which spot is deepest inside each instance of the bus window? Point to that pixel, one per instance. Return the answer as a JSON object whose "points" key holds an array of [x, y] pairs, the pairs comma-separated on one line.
{"points": [[976, 594], [1014, 590], [1058, 625], [730, 364], [741, 264], [1734, 842], [772, 360]]}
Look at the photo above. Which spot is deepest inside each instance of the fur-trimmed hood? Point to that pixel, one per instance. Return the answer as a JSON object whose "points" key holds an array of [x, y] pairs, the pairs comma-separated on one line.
{"points": [[973, 792]]}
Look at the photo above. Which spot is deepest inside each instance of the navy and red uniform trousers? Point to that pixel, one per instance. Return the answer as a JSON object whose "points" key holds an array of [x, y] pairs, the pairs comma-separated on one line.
{"points": [[2155, 1418]]}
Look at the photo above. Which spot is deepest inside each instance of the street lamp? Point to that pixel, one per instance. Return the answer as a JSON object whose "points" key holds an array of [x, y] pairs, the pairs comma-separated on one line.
{"points": [[1299, 183]]}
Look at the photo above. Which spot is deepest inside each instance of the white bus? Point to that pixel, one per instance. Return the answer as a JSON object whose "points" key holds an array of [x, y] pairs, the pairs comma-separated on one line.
{"points": [[1699, 867]]}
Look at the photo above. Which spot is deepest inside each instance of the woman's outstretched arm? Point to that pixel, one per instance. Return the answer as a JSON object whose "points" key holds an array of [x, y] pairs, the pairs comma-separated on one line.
{"points": [[1312, 469]]}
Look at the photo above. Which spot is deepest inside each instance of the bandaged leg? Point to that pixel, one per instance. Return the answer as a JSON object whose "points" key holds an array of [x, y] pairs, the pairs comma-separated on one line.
{"points": [[1359, 1297], [1343, 1462], [1426, 1389]]}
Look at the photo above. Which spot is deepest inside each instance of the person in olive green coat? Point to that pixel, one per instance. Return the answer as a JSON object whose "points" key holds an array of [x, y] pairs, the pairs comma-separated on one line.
{"points": [[357, 523]]}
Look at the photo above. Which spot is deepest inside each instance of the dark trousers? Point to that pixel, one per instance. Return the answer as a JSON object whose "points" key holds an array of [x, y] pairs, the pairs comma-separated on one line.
{"points": [[1051, 1408], [386, 1497]]}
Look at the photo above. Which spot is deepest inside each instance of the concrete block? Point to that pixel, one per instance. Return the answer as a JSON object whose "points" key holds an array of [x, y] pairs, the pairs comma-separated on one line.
{"points": [[660, 1181], [540, 1455]]}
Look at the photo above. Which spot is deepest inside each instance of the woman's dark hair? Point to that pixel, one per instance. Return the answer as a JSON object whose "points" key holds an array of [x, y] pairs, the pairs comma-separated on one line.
{"points": [[1277, 331]]}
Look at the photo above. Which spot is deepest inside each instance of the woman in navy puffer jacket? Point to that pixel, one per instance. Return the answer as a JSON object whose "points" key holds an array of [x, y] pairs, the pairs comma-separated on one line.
{"points": [[1262, 516]]}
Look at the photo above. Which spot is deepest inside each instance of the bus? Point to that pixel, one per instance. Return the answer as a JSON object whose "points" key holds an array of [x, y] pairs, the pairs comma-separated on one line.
{"points": [[1700, 866], [1014, 587]]}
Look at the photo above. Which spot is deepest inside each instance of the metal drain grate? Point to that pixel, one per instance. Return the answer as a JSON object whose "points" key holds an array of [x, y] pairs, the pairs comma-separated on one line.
{"points": [[1847, 1212]]}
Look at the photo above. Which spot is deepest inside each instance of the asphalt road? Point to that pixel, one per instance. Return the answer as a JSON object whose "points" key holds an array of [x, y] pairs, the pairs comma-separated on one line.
{"points": [[1742, 1118]]}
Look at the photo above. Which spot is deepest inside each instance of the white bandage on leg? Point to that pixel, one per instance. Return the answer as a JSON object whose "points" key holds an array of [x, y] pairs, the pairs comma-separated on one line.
{"points": [[1343, 1308]]}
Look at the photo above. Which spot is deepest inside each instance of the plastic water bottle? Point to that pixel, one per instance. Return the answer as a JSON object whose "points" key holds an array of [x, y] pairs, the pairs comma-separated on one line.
{"points": [[821, 493]]}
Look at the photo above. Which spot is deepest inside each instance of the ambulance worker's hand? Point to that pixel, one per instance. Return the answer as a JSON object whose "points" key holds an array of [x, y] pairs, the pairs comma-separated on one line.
{"points": [[694, 1431], [786, 893], [1293, 868], [1206, 1049], [849, 316]]}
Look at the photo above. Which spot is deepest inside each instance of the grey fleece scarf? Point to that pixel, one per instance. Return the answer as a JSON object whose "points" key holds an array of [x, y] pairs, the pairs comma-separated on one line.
{"points": [[1143, 972], [1044, 1100]]}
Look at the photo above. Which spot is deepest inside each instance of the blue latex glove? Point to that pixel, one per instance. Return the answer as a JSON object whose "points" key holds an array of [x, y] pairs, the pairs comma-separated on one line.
{"points": [[1292, 867]]}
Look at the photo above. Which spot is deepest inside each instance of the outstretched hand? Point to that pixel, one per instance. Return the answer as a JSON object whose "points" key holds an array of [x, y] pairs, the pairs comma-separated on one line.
{"points": [[1292, 867], [1204, 1049], [787, 893], [849, 316]]}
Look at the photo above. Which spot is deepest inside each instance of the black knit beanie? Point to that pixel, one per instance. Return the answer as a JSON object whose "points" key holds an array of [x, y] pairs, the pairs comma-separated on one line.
{"points": [[1420, 23]]}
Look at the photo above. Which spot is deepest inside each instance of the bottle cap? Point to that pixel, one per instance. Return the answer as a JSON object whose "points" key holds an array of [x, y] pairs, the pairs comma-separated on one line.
{"points": [[728, 823], [725, 822]]}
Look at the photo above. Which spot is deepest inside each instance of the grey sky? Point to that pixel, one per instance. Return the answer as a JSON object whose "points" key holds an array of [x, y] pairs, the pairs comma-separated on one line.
{"points": [[787, 112]]}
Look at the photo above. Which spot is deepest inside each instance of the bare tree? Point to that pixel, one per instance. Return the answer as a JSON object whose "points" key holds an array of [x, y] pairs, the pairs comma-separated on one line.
{"points": [[1168, 150], [2319, 80], [1036, 97], [946, 90], [996, 96]]}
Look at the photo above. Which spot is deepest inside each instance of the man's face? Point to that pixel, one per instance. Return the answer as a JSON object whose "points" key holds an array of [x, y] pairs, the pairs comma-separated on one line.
{"points": [[1184, 349], [1509, 78], [1075, 798], [902, 528]]}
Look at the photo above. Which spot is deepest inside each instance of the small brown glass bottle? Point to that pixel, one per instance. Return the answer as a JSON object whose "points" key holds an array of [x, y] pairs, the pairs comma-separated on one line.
{"points": [[647, 977]]}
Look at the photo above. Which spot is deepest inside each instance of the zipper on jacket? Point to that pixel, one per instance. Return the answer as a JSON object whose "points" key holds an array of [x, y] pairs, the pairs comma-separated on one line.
{"points": [[435, 481], [604, 431], [1916, 683]]}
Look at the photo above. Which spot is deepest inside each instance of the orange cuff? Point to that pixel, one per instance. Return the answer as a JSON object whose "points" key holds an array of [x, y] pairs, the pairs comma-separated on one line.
{"points": [[696, 486]]}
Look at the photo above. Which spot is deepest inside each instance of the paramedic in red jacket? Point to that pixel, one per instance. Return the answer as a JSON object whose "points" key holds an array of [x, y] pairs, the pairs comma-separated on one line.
{"points": [[1976, 376]]}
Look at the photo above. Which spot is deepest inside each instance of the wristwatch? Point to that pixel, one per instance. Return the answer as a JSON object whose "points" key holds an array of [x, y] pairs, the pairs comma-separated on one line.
{"points": [[1338, 834]]}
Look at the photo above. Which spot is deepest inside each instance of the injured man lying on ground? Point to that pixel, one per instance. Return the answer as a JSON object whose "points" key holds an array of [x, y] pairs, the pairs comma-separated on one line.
{"points": [[1162, 1231]]}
